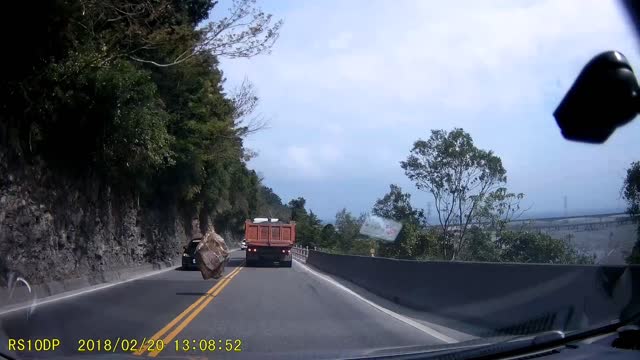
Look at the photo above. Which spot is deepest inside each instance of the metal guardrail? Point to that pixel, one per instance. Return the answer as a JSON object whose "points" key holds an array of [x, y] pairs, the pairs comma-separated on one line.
{"points": [[592, 226], [301, 253], [594, 223]]}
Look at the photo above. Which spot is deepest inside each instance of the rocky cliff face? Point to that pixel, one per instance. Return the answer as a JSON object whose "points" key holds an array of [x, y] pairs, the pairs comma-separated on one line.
{"points": [[53, 227]]}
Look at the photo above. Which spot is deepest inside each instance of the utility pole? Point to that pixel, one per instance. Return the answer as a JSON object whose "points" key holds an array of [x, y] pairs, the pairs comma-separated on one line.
{"points": [[565, 206]]}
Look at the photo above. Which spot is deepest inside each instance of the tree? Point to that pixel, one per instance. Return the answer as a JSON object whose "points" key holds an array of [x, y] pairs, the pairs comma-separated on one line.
{"points": [[245, 102], [348, 227], [245, 31], [521, 247], [480, 247], [428, 244], [308, 226], [631, 194], [298, 212], [498, 208], [533, 247], [349, 240], [328, 236], [270, 205], [396, 205], [131, 93], [310, 230], [459, 176]]}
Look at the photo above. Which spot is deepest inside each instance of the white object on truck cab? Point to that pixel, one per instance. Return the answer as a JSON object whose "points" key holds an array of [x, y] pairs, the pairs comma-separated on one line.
{"points": [[261, 220]]}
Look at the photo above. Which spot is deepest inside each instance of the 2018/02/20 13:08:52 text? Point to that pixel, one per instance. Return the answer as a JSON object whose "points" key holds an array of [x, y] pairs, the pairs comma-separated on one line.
{"points": [[83, 345], [208, 345]]}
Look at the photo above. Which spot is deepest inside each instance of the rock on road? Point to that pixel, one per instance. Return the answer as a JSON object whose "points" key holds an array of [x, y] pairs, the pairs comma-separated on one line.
{"points": [[266, 312]]}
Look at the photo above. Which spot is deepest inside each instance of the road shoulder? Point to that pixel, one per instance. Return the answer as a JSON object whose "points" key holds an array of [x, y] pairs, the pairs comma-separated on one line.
{"points": [[449, 330]]}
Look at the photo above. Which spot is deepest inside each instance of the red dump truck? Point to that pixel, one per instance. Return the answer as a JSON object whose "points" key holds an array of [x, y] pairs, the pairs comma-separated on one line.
{"points": [[269, 240]]}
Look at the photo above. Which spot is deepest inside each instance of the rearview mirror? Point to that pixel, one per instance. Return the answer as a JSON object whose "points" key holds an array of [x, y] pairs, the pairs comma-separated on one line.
{"points": [[603, 97]]}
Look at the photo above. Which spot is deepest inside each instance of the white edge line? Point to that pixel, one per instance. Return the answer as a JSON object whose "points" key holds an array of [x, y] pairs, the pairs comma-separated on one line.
{"points": [[432, 332], [59, 297], [74, 293]]}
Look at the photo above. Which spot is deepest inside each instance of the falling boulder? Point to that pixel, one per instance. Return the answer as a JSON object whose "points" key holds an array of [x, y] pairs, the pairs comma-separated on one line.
{"points": [[212, 255]]}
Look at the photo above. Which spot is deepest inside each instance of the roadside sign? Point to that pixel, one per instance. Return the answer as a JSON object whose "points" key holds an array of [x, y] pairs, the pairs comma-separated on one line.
{"points": [[380, 228]]}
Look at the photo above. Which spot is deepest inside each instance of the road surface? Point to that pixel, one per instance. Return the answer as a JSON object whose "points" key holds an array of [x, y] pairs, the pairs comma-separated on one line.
{"points": [[264, 312]]}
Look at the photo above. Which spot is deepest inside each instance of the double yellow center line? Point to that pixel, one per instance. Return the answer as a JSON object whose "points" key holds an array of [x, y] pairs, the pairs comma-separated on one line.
{"points": [[188, 314]]}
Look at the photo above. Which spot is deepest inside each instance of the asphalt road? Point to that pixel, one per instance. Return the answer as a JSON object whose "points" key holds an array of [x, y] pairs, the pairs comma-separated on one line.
{"points": [[265, 312]]}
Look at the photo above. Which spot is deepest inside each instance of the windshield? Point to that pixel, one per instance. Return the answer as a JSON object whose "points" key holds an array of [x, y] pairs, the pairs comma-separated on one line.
{"points": [[192, 247], [366, 177]]}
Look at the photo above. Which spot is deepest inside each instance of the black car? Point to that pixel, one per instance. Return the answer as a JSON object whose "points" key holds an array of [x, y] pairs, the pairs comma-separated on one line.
{"points": [[188, 258]]}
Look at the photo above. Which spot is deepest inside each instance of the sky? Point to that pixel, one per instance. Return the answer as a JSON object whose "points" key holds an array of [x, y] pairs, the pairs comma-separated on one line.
{"points": [[350, 85]]}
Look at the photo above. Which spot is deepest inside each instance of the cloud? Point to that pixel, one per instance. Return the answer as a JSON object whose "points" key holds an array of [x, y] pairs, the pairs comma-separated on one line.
{"points": [[350, 85], [492, 54], [311, 162], [445, 56], [341, 41], [300, 159]]}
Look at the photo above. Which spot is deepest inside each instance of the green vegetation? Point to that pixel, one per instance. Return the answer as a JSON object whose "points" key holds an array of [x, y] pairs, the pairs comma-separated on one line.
{"points": [[522, 247], [396, 206], [307, 223], [459, 176], [631, 193], [270, 204], [473, 208], [132, 92]]}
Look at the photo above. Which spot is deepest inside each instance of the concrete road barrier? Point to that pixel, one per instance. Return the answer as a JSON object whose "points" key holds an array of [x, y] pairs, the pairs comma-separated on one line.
{"points": [[23, 294], [496, 298]]}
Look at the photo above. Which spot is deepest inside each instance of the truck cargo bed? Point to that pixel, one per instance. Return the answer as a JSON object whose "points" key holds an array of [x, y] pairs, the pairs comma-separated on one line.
{"points": [[269, 241]]}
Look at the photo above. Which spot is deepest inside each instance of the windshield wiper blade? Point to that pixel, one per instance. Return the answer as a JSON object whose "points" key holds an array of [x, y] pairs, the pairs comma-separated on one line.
{"points": [[519, 345], [5, 356], [548, 341], [515, 346]]}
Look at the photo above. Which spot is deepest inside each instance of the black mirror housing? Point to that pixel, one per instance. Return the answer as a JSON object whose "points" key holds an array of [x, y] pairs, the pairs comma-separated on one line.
{"points": [[603, 97]]}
